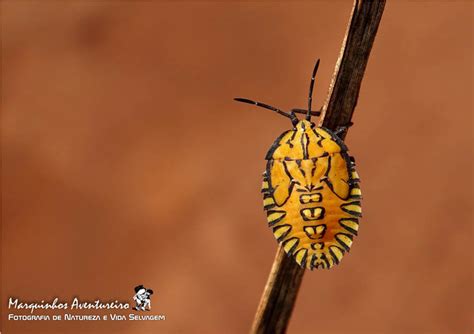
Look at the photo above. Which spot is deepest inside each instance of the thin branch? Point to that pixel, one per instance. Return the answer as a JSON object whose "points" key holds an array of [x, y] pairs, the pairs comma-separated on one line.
{"points": [[281, 290], [350, 67]]}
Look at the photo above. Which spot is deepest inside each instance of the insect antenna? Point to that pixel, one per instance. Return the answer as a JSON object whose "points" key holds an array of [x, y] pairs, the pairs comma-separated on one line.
{"points": [[305, 111], [291, 116], [311, 85]]}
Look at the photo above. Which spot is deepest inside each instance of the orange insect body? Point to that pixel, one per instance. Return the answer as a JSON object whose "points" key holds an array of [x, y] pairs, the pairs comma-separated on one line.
{"points": [[311, 191], [311, 195]]}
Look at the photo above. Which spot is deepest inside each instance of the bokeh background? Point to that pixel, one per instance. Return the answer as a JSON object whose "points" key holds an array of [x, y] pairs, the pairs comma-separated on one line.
{"points": [[125, 161]]}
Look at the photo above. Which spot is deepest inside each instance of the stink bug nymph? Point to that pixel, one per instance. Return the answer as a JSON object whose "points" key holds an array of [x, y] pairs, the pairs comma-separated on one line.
{"points": [[311, 192]]}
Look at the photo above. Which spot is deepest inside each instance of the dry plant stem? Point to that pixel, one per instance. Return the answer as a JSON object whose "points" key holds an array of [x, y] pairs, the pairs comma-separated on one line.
{"points": [[279, 296], [350, 66]]}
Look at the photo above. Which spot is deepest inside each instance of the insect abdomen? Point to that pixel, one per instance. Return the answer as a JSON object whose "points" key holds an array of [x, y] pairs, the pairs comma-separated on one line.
{"points": [[313, 206]]}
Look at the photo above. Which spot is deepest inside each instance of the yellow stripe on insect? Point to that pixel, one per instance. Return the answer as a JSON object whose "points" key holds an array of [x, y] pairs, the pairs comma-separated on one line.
{"points": [[337, 253], [331, 261], [354, 175], [281, 231], [275, 216], [309, 230], [300, 256], [320, 229], [316, 197], [264, 185], [268, 201], [310, 198], [356, 192], [318, 245], [350, 224], [312, 213], [290, 244], [353, 207], [344, 239]]}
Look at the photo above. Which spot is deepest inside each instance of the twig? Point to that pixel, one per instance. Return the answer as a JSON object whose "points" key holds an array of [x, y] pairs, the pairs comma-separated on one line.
{"points": [[279, 296]]}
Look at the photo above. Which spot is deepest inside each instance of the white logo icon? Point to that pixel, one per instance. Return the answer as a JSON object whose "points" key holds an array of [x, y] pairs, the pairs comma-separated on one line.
{"points": [[142, 298]]}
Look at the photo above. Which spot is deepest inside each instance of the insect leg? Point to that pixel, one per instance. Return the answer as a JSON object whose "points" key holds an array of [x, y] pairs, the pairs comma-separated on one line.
{"points": [[341, 129]]}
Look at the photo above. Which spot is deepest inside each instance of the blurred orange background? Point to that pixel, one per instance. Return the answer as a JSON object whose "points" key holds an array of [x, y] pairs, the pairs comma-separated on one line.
{"points": [[125, 162]]}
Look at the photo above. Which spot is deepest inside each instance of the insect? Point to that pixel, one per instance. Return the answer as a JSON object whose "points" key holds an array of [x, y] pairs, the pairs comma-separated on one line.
{"points": [[311, 192]]}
